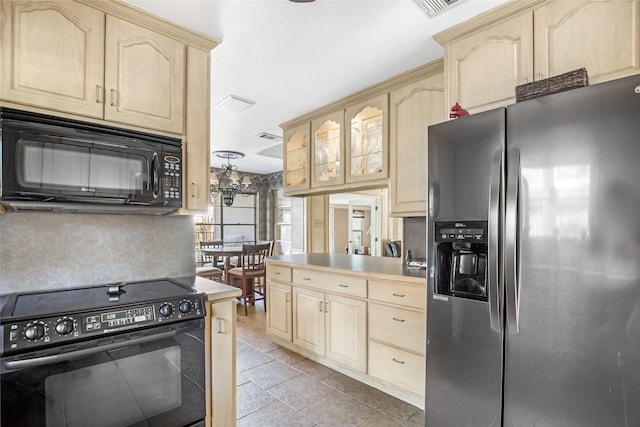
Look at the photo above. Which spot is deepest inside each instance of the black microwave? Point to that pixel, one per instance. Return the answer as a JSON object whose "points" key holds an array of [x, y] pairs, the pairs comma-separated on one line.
{"points": [[62, 165]]}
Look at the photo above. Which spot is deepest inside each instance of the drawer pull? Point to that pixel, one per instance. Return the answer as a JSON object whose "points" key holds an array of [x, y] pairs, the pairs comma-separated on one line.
{"points": [[397, 319], [398, 295], [342, 285], [277, 273], [306, 278], [321, 307], [219, 328], [398, 361]]}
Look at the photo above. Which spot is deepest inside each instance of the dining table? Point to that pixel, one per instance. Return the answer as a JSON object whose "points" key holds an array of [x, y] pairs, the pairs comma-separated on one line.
{"points": [[226, 252]]}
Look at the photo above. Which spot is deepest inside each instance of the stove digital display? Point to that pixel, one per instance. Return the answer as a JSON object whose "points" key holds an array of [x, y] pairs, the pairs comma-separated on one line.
{"points": [[120, 318], [113, 316]]}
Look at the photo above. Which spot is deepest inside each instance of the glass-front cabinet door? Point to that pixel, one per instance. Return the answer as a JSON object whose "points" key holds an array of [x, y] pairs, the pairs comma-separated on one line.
{"points": [[367, 147], [327, 150], [296, 158]]}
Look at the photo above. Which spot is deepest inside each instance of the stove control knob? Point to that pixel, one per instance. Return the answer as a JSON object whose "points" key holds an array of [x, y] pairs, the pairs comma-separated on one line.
{"points": [[166, 310], [34, 331], [64, 326], [185, 307]]}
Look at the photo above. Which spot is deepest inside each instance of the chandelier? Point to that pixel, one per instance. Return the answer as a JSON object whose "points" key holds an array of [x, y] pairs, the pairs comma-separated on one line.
{"points": [[229, 173]]}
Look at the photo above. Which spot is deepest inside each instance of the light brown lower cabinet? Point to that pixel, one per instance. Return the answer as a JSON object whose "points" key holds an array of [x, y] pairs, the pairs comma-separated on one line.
{"points": [[370, 329], [332, 326], [393, 365], [220, 333]]}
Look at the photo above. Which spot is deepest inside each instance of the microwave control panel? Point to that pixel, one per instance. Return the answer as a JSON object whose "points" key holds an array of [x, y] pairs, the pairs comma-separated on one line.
{"points": [[172, 180]]}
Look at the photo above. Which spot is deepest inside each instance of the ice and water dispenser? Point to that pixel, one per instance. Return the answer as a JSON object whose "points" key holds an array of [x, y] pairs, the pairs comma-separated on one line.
{"points": [[461, 259]]}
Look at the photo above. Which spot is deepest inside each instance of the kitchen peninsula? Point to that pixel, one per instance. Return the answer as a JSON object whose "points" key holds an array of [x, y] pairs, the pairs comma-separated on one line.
{"points": [[359, 315]]}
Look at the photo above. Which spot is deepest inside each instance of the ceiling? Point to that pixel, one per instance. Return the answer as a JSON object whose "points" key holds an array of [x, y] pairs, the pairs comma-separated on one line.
{"points": [[292, 58]]}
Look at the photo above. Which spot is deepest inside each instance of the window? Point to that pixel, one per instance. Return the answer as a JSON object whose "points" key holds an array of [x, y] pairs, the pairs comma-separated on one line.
{"points": [[233, 225], [289, 225]]}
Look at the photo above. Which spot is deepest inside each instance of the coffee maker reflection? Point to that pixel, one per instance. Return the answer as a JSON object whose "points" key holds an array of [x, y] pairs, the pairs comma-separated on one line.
{"points": [[461, 259]]}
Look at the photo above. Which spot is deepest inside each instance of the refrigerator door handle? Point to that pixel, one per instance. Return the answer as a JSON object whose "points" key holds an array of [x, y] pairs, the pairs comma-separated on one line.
{"points": [[511, 256], [495, 290]]}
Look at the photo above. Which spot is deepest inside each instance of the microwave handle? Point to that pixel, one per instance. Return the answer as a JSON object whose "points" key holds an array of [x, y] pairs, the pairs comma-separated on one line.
{"points": [[155, 175], [63, 357]]}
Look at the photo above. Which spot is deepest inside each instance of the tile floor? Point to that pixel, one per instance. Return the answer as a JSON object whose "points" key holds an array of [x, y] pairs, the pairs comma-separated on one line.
{"points": [[277, 387]]}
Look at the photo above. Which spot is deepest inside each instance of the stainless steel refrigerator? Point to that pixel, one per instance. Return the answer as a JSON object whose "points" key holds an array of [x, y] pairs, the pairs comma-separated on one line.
{"points": [[533, 314]]}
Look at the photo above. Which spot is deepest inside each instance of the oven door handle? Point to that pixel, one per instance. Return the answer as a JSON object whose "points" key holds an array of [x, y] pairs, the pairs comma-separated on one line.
{"points": [[63, 357]]}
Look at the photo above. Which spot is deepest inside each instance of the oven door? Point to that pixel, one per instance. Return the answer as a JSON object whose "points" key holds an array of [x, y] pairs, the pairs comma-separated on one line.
{"points": [[154, 377]]}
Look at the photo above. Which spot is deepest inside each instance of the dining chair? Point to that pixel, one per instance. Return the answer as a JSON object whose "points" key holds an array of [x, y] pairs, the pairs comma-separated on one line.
{"points": [[210, 260], [261, 283], [211, 273], [253, 267]]}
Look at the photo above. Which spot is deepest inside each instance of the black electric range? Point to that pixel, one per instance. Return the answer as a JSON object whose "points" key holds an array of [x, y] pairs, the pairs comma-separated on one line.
{"points": [[32, 320]]}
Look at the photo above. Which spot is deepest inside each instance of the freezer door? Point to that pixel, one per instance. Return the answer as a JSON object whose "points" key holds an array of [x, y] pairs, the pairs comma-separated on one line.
{"points": [[572, 354], [464, 334]]}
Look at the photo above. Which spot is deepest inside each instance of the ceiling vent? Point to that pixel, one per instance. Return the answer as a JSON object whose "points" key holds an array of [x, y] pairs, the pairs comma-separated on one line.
{"points": [[435, 7], [269, 136]]}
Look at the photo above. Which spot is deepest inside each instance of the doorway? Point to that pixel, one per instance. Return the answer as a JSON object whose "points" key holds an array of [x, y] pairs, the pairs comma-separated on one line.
{"points": [[355, 223]]}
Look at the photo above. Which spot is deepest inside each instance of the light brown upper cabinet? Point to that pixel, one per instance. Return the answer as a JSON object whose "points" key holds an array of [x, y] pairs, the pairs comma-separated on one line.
{"points": [[144, 77], [367, 151], [52, 56], [483, 68], [327, 148], [414, 107], [602, 36], [62, 56], [297, 141], [488, 56]]}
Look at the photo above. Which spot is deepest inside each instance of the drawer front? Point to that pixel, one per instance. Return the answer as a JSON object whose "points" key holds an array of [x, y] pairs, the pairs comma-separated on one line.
{"points": [[398, 326], [335, 283], [278, 273], [400, 368], [414, 296]]}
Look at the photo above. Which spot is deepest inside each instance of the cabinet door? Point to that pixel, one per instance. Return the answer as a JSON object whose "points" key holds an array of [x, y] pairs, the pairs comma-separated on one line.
{"points": [[413, 108], [484, 67], [222, 326], [52, 56], [398, 367], [327, 168], [347, 331], [398, 326], [367, 143], [308, 320], [279, 310], [599, 35], [297, 142], [195, 147], [144, 77]]}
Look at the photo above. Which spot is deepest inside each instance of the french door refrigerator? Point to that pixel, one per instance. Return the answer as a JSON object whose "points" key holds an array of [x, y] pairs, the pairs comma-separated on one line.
{"points": [[534, 274]]}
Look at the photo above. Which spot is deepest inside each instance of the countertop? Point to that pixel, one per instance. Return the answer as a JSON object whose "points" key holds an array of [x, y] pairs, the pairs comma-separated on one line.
{"points": [[376, 266], [214, 290]]}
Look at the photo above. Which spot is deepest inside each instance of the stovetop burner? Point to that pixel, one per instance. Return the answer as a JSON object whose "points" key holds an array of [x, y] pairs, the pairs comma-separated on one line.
{"points": [[36, 304]]}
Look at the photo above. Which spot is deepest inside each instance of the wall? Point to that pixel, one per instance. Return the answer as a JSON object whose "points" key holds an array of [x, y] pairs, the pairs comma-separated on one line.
{"points": [[340, 229], [415, 237], [47, 250]]}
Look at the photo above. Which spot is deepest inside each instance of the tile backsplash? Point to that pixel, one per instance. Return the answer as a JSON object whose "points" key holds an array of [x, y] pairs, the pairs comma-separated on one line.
{"points": [[415, 237], [50, 251]]}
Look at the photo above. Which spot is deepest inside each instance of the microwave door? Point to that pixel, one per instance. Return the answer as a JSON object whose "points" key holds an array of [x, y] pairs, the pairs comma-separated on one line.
{"points": [[72, 170]]}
